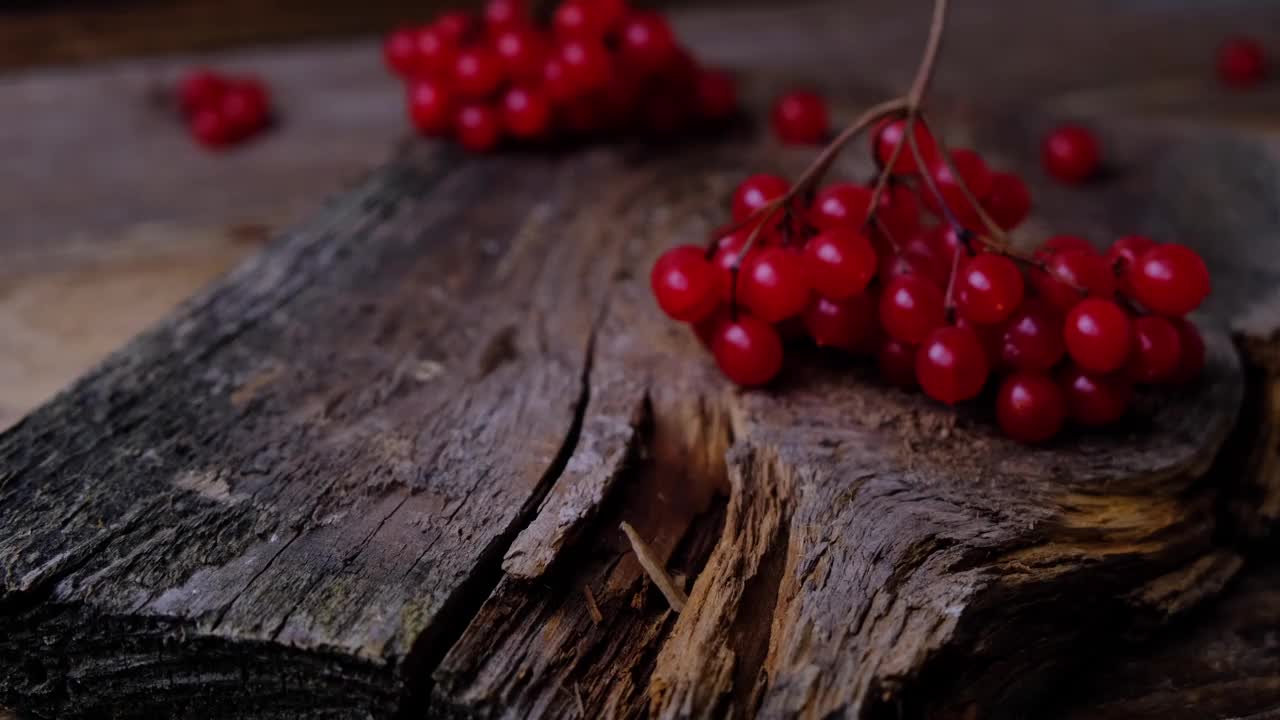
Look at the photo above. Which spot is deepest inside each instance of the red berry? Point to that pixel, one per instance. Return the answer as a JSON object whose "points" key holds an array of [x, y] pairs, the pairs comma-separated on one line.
{"points": [[477, 72], [1241, 62], [707, 328], [842, 204], [912, 263], [951, 365], [1030, 407], [245, 107], [1191, 352], [988, 289], [773, 285], [975, 175], [717, 95], [200, 89], [685, 284], [399, 52], [748, 351], [1098, 335], [839, 262], [523, 52], [456, 26], [1071, 275], [989, 336], [210, 128], [1009, 202], [1170, 279], [1060, 243], [587, 65], [726, 255], [800, 118], [910, 308], [646, 42], [502, 15], [890, 133], [897, 363], [1094, 399], [755, 192], [1157, 349], [479, 127], [434, 51], [1032, 339], [848, 324], [558, 85], [1123, 255], [899, 211], [1070, 153], [430, 107], [578, 20], [526, 112], [945, 243]]}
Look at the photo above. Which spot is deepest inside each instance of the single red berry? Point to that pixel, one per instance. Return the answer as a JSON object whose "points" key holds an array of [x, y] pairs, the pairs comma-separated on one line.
{"points": [[849, 324], [717, 95], [479, 127], [891, 133], [500, 15], [456, 26], [200, 89], [842, 204], [646, 42], [839, 262], [430, 107], [1070, 154], [477, 72], [1170, 280], [587, 65], [951, 365], [1098, 335], [1009, 202], [685, 284], [755, 192], [910, 308], [578, 20], [1030, 407], [1241, 62], [1071, 275], [1157, 349], [210, 128], [526, 112], [800, 118], [246, 107], [897, 363], [1032, 339], [748, 351], [988, 289], [974, 174], [773, 284], [434, 51], [1095, 399], [399, 52], [523, 52], [1191, 352]]}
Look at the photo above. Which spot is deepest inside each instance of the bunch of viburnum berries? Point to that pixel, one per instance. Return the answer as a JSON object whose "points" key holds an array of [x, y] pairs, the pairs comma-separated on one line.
{"points": [[600, 68], [914, 275]]}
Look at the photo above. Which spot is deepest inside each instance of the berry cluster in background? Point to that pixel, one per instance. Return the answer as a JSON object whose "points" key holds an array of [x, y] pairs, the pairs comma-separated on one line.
{"points": [[916, 271], [221, 110], [600, 68]]}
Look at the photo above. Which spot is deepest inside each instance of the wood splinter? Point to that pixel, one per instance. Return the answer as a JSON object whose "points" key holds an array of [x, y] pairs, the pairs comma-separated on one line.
{"points": [[653, 567]]}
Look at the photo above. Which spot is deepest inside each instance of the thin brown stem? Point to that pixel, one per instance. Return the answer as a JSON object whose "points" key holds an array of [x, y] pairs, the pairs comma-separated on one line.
{"points": [[937, 26]]}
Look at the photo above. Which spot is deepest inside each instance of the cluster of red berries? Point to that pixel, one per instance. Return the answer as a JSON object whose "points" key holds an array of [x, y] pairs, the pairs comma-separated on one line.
{"points": [[915, 285], [222, 111], [600, 68]]}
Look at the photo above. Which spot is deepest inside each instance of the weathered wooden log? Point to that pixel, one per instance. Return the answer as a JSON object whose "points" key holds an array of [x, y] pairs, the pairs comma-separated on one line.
{"points": [[381, 468]]}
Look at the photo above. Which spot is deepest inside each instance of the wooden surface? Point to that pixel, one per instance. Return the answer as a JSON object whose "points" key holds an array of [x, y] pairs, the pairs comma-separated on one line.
{"points": [[267, 184]]}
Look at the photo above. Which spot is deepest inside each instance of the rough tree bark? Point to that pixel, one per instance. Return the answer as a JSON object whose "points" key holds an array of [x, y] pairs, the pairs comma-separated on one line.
{"points": [[380, 469]]}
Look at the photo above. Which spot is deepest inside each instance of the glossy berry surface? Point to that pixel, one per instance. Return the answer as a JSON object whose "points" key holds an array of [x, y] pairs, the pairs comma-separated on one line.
{"points": [[840, 205], [1071, 154], [1071, 275], [477, 73], [1032, 339], [1009, 202], [748, 351], [1170, 280], [1098, 335], [523, 53], [526, 113], [755, 192], [800, 117], [1030, 407], [890, 134], [1241, 63], [1157, 349], [911, 307], [245, 107], [848, 324], [772, 284], [1123, 255], [966, 170], [502, 15], [951, 365], [988, 289], [434, 52], [479, 127], [1095, 399], [839, 263], [685, 284], [646, 42]]}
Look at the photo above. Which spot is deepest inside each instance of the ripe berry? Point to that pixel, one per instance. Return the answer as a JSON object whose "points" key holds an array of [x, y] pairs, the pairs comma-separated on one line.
{"points": [[502, 15], [1157, 349], [399, 52], [945, 242], [842, 204], [1098, 335], [890, 133], [989, 336], [1123, 255], [899, 211], [200, 89], [839, 262], [578, 20], [646, 42], [912, 263], [773, 285], [1032, 339], [587, 65], [988, 289], [523, 53], [685, 284], [430, 107], [848, 324], [910, 308], [897, 363], [526, 112], [1094, 399], [557, 84], [434, 51], [1191, 352], [951, 365], [1241, 62], [245, 107], [1009, 202], [800, 118], [479, 127], [1170, 279], [455, 26], [717, 95], [975, 175], [748, 351], [1070, 154], [210, 128], [1070, 275], [755, 192], [477, 72], [1030, 407]]}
